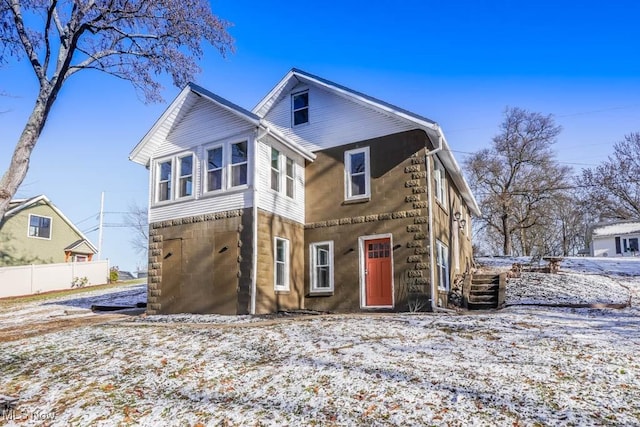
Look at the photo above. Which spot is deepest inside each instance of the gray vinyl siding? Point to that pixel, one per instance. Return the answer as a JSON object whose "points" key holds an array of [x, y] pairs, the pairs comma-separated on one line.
{"points": [[333, 120]]}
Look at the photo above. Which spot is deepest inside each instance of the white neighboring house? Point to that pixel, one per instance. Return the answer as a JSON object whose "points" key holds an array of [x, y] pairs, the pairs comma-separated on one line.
{"points": [[616, 239]]}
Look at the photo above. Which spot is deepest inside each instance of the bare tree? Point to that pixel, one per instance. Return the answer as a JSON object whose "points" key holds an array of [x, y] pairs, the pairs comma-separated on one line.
{"points": [[612, 189], [135, 40], [517, 176], [137, 220]]}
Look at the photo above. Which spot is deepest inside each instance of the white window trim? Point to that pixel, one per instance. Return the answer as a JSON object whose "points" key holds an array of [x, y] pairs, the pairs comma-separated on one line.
{"points": [[347, 174], [230, 165], [293, 110], [223, 175], [38, 237], [285, 287], [442, 260], [175, 179], [286, 178], [313, 278], [80, 258], [282, 174], [277, 169], [440, 177], [179, 177]]}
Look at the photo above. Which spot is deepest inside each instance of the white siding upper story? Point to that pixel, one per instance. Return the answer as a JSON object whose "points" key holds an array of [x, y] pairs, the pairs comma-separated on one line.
{"points": [[276, 201], [333, 120], [204, 126]]}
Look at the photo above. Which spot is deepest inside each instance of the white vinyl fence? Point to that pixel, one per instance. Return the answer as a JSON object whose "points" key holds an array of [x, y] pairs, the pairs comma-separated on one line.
{"points": [[33, 279]]}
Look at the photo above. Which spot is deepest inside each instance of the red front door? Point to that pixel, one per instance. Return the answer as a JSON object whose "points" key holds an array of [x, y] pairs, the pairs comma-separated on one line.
{"points": [[377, 270]]}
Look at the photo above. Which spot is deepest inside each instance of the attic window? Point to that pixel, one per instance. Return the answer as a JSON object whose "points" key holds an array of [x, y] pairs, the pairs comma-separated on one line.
{"points": [[300, 108], [39, 226]]}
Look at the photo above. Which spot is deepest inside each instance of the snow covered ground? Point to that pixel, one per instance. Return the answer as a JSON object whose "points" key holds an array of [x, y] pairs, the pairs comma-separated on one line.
{"points": [[523, 365]]}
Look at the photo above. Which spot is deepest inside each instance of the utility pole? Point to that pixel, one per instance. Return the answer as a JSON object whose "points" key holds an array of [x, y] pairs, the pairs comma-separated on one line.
{"points": [[100, 224]]}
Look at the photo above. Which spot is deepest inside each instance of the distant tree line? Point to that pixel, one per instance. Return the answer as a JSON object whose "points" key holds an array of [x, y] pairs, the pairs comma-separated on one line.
{"points": [[533, 205]]}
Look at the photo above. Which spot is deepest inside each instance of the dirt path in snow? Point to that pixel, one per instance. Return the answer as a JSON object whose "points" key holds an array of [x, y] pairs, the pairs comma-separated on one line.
{"points": [[56, 324]]}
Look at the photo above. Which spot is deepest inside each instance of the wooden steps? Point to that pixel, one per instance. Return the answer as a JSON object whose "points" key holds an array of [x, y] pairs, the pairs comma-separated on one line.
{"points": [[485, 292]]}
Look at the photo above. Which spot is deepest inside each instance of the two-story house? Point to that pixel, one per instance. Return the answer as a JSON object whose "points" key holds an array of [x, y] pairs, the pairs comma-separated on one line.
{"points": [[320, 198], [35, 231]]}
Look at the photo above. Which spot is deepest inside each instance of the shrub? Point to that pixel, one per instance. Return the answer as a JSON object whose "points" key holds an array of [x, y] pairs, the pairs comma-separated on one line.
{"points": [[79, 282], [114, 273]]}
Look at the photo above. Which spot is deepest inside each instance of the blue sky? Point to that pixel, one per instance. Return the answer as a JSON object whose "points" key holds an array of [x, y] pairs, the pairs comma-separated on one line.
{"points": [[458, 63]]}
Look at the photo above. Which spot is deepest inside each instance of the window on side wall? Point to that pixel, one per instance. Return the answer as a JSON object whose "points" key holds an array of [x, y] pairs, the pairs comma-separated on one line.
{"points": [[321, 254], [215, 167], [40, 226], [357, 174], [275, 169], [281, 264], [185, 166], [165, 173], [442, 263], [239, 164], [300, 108], [289, 177], [440, 182]]}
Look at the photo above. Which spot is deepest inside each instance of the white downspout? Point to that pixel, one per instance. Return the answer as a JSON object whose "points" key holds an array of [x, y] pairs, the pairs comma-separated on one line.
{"points": [[254, 243], [432, 256]]}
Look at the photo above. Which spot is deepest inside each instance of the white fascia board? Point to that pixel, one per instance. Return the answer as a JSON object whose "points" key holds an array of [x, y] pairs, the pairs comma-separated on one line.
{"points": [[273, 93], [135, 156], [178, 103], [458, 177], [308, 155]]}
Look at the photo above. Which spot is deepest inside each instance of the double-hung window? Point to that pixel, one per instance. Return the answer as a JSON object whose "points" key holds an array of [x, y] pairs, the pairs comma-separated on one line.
{"points": [[282, 173], [165, 174], [321, 254], [357, 174], [442, 262], [174, 177], [186, 176], [215, 166], [289, 177], [39, 226], [275, 169], [300, 108], [281, 264], [440, 182], [239, 163]]}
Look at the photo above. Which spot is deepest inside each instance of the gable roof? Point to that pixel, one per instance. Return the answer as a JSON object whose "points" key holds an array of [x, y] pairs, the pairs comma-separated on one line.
{"points": [[617, 228], [144, 150], [20, 204], [432, 129]]}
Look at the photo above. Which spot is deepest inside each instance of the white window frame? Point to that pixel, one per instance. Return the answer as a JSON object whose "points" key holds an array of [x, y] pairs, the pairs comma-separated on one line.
{"points": [[442, 265], [174, 182], [231, 165], [289, 178], [158, 181], [206, 169], [275, 171], [286, 263], [282, 174], [294, 110], [180, 177], [80, 258], [39, 237], [313, 275], [440, 180], [347, 174]]}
